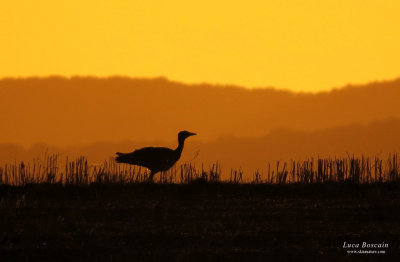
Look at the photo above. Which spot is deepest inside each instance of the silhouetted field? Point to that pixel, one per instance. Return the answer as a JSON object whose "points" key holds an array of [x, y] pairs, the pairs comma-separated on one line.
{"points": [[320, 170], [198, 221], [72, 211]]}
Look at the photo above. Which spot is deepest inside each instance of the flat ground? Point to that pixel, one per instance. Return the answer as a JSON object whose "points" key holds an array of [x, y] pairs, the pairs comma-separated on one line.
{"points": [[198, 222]]}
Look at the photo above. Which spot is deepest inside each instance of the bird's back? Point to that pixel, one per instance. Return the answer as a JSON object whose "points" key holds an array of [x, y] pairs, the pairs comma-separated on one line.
{"points": [[154, 158]]}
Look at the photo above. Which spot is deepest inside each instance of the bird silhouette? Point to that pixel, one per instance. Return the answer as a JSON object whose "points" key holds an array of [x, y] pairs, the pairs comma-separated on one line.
{"points": [[155, 158]]}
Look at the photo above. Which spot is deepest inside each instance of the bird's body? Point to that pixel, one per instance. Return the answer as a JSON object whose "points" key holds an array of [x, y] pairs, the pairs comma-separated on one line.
{"points": [[155, 158]]}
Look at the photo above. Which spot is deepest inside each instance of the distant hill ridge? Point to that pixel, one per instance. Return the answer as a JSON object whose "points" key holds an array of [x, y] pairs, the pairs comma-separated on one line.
{"points": [[82, 110]]}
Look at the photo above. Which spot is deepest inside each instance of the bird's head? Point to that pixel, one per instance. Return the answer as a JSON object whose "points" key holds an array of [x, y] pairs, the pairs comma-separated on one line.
{"points": [[185, 134]]}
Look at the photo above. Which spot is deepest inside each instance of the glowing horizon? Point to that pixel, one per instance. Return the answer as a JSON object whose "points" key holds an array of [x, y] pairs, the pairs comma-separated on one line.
{"points": [[202, 83], [307, 46]]}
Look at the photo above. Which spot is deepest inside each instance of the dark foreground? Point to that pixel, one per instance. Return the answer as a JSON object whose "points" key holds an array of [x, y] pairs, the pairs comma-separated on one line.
{"points": [[198, 222]]}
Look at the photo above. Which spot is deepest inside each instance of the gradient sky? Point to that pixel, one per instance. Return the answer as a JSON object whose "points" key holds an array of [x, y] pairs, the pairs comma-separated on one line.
{"points": [[299, 45]]}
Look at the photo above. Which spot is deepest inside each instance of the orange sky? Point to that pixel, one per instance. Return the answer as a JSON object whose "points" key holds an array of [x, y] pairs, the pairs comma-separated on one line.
{"points": [[300, 45]]}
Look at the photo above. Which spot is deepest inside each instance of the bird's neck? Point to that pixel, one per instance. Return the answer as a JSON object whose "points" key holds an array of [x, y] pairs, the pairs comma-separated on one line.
{"points": [[180, 146]]}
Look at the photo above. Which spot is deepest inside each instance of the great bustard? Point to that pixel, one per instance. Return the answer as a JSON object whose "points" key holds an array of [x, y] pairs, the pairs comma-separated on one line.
{"points": [[155, 158]]}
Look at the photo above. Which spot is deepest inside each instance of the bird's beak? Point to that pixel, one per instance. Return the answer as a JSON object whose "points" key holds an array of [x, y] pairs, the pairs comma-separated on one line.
{"points": [[192, 134]]}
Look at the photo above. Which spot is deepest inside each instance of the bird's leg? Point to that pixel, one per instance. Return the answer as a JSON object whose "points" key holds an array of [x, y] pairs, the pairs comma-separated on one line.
{"points": [[151, 177]]}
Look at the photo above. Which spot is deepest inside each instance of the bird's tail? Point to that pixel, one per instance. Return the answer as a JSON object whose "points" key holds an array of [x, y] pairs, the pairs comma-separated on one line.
{"points": [[121, 157]]}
